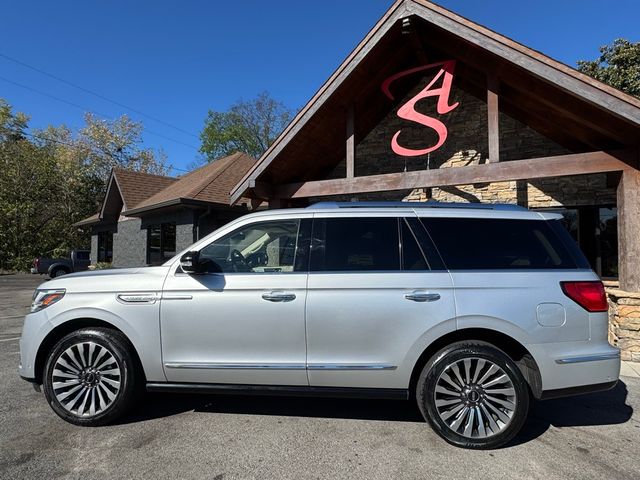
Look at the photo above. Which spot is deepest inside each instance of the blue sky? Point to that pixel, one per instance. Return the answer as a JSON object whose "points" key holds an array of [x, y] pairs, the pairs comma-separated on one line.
{"points": [[174, 61]]}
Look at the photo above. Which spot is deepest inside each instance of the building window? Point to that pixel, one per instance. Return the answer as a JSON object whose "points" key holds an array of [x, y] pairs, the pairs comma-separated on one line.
{"points": [[161, 243], [105, 247], [595, 228]]}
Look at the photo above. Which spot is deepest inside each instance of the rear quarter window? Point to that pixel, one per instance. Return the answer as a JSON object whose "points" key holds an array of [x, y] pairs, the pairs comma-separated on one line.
{"points": [[487, 243]]}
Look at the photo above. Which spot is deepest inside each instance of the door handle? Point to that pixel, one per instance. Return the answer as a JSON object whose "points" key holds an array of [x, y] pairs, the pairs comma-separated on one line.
{"points": [[278, 296], [418, 296]]}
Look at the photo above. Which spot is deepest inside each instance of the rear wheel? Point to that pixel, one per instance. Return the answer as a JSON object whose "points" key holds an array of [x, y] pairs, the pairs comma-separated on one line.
{"points": [[90, 377], [58, 272], [473, 395]]}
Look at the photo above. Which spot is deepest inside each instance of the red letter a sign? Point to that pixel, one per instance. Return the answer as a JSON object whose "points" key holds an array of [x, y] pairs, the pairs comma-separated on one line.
{"points": [[408, 110]]}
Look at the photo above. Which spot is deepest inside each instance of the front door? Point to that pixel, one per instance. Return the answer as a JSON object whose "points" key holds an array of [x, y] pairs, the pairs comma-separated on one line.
{"points": [[242, 322]]}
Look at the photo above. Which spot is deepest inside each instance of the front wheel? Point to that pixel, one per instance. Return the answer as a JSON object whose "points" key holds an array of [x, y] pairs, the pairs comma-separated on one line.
{"points": [[473, 395], [90, 377]]}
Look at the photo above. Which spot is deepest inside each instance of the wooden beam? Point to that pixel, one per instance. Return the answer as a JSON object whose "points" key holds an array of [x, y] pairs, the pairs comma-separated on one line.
{"points": [[277, 203], [261, 190], [351, 143], [628, 230], [558, 166], [493, 118]]}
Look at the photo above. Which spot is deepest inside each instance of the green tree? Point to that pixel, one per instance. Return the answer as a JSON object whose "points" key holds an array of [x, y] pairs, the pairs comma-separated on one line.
{"points": [[248, 126], [51, 178], [28, 176], [618, 66]]}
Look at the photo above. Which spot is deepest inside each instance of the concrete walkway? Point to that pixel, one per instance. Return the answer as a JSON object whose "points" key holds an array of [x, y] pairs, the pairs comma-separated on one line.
{"points": [[630, 369]]}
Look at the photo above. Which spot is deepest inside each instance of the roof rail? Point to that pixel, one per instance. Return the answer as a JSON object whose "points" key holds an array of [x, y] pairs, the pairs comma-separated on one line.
{"points": [[428, 204]]}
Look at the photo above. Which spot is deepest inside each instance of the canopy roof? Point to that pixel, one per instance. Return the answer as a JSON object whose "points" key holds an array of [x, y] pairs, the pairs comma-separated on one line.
{"points": [[573, 109]]}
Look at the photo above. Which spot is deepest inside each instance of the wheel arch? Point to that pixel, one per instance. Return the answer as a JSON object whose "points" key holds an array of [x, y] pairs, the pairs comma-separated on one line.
{"points": [[65, 328], [55, 266], [512, 347]]}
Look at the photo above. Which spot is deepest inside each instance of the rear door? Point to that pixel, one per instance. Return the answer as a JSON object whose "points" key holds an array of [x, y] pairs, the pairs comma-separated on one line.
{"points": [[373, 296]]}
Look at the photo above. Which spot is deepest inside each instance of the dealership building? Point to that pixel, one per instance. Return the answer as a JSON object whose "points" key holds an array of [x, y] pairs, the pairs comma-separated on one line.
{"points": [[431, 106], [428, 106]]}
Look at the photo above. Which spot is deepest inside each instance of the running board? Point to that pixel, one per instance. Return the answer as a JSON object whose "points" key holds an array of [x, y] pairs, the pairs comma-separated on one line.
{"points": [[277, 390]]}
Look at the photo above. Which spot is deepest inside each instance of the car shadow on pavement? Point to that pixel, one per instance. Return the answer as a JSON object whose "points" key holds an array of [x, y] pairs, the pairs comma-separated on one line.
{"points": [[158, 405], [603, 408]]}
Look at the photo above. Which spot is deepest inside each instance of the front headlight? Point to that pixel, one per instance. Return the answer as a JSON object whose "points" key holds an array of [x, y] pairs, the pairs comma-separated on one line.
{"points": [[45, 298]]}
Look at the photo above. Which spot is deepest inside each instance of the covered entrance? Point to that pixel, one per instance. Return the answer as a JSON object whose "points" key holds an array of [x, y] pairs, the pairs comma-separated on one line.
{"points": [[433, 106]]}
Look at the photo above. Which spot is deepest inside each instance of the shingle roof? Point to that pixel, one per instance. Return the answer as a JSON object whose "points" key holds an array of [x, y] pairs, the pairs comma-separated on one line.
{"points": [[95, 218], [135, 187], [210, 183]]}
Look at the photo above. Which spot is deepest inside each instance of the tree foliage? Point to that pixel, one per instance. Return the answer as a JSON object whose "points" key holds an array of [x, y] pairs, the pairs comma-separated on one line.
{"points": [[618, 65], [50, 179], [248, 126]]}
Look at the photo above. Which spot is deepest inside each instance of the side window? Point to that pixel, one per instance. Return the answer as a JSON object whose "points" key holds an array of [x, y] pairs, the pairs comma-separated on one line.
{"points": [[426, 244], [264, 247], [83, 256], [487, 243], [355, 244], [412, 256]]}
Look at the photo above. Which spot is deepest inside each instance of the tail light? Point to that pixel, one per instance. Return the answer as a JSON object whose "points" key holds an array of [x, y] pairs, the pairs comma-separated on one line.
{"points": [[36, 263], [589, 295]]}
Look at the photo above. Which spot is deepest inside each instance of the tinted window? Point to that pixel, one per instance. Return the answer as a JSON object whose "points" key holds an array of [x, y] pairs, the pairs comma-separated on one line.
{"points": [[412, 257], [82, 255], [161, 243], [265, 247], [485, 243], [426, 244], [355, 244], [105, 246]]}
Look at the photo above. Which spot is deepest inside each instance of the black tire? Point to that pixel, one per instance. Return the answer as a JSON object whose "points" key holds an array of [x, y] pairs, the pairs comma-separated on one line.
{"points": [[58, 272], [471, 397], [84, 372]]}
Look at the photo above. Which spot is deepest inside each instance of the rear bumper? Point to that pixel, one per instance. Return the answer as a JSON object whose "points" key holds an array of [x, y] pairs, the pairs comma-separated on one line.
{"points": [[571, 391], [578, 367]]}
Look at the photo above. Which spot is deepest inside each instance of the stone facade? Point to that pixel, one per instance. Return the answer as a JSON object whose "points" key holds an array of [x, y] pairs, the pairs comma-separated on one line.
{"points": [[624, 322], [467, 145], [129, 244]]}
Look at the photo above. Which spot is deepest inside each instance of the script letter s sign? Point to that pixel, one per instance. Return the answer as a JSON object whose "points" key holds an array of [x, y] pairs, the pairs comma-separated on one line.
{"points": [[408, 111]]}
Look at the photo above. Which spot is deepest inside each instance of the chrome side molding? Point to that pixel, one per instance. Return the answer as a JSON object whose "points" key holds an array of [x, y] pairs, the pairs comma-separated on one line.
{"points": [[237, 366], [588, 358], [279, 366], [356, 366]]}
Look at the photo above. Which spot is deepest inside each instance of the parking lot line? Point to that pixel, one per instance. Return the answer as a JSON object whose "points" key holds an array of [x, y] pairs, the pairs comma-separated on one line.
{"points": [[9, 339]]}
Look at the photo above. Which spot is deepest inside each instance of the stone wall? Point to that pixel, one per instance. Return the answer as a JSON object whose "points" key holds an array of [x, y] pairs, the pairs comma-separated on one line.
{"points": [[129, 244], [467, 144], [624, 322]]}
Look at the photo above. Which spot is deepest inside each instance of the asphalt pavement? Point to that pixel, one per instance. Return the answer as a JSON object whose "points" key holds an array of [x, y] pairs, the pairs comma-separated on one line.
{"points": [[594, 436]]}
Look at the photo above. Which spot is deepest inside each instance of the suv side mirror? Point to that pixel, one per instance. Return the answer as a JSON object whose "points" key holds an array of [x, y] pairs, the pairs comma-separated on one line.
{"points": [[190, 262]]}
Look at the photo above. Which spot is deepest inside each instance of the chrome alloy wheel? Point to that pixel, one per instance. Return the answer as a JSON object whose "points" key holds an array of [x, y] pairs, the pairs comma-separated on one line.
{"points": [[86, 379], [475, 398]]}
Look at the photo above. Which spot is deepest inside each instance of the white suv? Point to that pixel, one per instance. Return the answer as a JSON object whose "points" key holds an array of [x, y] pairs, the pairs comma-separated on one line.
{"points": [[469, 309]]}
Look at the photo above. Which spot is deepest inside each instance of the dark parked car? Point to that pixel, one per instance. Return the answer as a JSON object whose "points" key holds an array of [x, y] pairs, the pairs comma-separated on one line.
{"points": [[78, 261]]}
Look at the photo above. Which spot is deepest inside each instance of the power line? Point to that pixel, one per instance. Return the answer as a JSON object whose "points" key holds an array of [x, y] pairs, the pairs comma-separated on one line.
{"points": [[95, 94], [85, 109]]}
